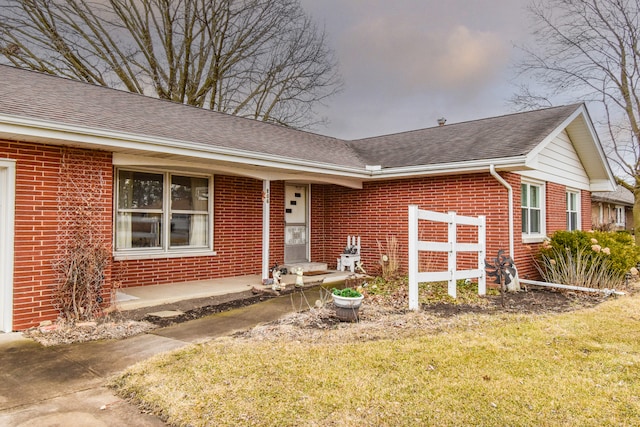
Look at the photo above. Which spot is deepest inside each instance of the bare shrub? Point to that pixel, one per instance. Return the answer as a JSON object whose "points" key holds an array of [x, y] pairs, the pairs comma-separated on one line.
{"points": [[582, 268], [389, 260], [83, 251]]}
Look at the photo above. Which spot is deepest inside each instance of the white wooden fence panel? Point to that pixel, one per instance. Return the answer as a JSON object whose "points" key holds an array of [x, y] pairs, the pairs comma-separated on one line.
{"points": [[452, 247], [469, 247]]}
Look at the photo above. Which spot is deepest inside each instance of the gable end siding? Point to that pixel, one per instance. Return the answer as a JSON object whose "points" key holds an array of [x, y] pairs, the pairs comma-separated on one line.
{"points": [[559, 162]]}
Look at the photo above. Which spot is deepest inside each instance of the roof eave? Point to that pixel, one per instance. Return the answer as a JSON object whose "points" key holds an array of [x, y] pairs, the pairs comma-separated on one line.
{"points": [[19, 128], [471, 166]]}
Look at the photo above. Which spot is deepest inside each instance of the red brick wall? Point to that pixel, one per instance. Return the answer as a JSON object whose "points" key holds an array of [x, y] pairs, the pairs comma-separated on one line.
{"points": [[237, 239], [585, 206], [36, 226], [380, 210], [556, 207]]}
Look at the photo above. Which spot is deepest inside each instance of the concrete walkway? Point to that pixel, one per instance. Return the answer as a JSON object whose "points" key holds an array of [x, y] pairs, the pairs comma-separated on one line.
{"points": [[65, 385]]}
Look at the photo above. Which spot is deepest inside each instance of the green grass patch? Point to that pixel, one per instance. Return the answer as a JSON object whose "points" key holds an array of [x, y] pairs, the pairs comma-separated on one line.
{"points": [[580, 368]]}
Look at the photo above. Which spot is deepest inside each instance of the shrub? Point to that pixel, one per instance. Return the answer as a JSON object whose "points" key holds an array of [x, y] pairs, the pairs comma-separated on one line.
{"points": [[591, 259]]}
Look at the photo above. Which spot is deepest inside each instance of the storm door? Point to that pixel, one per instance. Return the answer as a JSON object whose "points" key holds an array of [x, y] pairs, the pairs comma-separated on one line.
{"points": [[7, 212], [296, 242]]}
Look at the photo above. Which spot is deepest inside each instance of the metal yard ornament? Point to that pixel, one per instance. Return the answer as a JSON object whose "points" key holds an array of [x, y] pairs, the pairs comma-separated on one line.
{"points": [[503, 270]]}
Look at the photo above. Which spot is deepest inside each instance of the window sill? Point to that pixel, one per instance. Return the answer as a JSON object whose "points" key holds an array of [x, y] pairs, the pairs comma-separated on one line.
{"points": [[533, 239], [126, 256]]}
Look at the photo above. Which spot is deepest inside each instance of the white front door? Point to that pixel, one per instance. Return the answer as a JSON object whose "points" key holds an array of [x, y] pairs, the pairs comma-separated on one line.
{"points": [[296, 242], [7, 209]]}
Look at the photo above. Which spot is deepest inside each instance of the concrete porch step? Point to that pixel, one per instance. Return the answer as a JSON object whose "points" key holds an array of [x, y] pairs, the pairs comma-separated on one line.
{"points": [[307, 266]]}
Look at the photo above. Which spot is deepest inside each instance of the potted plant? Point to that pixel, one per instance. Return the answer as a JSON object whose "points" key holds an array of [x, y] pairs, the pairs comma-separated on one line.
{"points": [[347, 302]]}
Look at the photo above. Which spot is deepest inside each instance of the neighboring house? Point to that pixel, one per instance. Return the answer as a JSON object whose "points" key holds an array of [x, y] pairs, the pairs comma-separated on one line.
{"points": [[612, 210], [182, 193]]}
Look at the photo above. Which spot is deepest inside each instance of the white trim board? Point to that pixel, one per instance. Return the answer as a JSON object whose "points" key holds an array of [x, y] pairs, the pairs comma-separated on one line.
{"points": [[7, 215]]}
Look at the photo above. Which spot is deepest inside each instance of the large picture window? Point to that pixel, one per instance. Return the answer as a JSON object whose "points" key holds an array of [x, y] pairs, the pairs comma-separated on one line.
{"points": [[161, 211], [532, 197], [573, 211]]}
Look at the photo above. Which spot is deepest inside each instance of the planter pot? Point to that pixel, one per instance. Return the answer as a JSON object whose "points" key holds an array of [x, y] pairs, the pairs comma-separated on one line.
{"points": [[347, 302], [347, 308]]}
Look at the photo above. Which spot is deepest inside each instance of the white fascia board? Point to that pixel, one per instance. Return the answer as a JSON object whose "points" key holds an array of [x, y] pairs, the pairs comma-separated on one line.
{"points": [[505, 163], [264, 174], [17, 126], [602, 185]]}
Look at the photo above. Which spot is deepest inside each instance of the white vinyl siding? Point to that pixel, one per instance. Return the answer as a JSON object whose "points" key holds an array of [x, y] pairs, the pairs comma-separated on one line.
{"points": [[558, 162]]}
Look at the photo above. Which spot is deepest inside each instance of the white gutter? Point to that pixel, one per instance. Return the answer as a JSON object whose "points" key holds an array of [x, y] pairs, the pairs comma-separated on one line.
{"points": [[496, 175], [19, 128], [39, 131], [469, 166]]}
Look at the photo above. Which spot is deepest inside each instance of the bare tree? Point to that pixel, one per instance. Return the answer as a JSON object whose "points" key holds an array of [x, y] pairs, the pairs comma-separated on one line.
{"points": [[263, 59], [589, 50]]}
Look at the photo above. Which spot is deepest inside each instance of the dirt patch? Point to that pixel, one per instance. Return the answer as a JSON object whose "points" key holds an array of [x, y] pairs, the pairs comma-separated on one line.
{"points": [[204, 310], [112, 327], [377, 316], [532, 301]]}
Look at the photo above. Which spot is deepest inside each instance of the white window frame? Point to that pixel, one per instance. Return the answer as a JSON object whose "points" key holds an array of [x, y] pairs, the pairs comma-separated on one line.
{"points": [[577, 211], [528, 236], [165, 250], [621, 216]]}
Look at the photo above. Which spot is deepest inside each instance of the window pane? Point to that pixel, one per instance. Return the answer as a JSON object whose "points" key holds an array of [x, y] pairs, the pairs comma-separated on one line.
{"points": [[189, 230], [574, 221], [139, 190], [138, 230], [189, 193], [535, 220], [534, 197], [523, 195], [525, 220], [574, 201]]}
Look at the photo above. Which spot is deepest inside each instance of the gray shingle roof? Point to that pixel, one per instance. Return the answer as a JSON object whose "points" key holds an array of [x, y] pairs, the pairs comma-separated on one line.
{"points": [[505, 136], [40, 96], [45, 97], [621, 195]]}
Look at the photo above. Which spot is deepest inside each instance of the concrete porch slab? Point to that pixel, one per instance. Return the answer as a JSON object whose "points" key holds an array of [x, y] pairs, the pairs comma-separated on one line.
{"points": [[139, 297], [307, 266]]}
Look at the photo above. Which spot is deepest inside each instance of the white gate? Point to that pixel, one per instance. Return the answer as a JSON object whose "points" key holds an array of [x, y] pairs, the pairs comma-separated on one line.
{"points": [[452, 247]]}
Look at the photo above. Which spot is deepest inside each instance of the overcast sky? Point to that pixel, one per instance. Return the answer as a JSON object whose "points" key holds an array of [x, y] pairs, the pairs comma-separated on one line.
{"points": [[405, 63]]}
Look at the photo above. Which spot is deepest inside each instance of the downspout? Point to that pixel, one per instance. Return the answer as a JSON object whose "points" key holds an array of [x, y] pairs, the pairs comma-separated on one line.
{"points": [[515, 283], [492, 171]]}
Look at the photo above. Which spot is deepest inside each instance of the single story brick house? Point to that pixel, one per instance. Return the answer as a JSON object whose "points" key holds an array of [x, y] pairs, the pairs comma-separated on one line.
{"points": [[181, 193], [612, 210]]}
